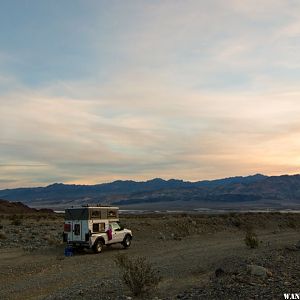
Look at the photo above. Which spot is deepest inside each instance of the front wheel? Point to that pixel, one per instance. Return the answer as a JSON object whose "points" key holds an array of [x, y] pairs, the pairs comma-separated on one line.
{"points": [[98, 246], [127, 241]]}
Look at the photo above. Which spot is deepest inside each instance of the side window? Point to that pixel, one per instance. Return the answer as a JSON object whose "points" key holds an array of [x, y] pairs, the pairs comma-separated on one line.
{"points": [[98, 227], [115, 226]]}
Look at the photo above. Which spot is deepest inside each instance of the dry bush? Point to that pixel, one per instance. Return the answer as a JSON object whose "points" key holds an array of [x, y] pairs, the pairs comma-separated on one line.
{"points": [[251, 240], [182, 227], [138, 274], [235, 221], [52, 241], [291, 223], [16, 222]]}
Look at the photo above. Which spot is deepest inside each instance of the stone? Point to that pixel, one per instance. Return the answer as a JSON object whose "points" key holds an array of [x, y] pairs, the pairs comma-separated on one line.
{"points": [[257, 270], [162, 236]]}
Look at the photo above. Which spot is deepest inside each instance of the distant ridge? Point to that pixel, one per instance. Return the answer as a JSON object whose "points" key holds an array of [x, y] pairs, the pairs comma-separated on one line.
{"points": [[7, 207], [256, 190]]}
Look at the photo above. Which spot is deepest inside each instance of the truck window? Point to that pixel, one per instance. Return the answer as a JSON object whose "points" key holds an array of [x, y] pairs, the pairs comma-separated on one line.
{"points": [[98, 227], [115, 226], [77, 229]]}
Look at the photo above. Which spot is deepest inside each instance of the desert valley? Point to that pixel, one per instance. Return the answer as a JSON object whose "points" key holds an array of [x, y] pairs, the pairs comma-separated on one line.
{"points": [[196, 256]]}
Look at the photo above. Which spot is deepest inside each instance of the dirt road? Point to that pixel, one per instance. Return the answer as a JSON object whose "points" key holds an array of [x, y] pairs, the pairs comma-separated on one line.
{"points": [[182, 263]]}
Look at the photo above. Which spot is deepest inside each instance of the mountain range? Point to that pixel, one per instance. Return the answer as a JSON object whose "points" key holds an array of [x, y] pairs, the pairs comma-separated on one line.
{"points": [[255, 191]]}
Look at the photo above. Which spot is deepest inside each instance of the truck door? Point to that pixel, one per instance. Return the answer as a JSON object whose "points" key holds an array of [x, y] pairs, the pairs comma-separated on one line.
{"points": [[117, 233], [77, 230]]}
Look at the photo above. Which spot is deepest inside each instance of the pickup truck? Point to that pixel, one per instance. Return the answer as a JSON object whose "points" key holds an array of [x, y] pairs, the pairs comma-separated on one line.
{"points": [[94, 227]]}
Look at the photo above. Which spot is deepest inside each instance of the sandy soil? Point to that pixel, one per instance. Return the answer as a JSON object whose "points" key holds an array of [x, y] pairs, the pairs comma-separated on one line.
{"points": [[185, 249]]}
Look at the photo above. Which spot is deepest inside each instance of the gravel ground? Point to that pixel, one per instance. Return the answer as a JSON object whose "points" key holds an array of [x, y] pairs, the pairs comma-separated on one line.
{"points": [[235, 282], [187, 251]]}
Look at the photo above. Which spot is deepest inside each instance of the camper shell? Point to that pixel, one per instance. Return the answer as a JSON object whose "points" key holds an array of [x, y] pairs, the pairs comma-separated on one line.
{"points": [[95, 226]]}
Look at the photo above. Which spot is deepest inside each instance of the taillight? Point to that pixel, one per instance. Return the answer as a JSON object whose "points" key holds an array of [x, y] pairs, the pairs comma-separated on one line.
{"points": [[67, 227]]}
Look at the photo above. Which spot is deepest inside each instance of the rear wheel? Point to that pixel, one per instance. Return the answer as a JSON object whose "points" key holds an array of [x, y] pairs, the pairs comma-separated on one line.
{"points": [[127, 241], [98, 246]]}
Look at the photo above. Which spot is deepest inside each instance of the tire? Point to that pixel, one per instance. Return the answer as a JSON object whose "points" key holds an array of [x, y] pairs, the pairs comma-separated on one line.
{"points": [[127, 241], [98, 246]]}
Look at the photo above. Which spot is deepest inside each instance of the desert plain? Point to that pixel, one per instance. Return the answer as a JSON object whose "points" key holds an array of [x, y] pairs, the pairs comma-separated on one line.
{"points": [[197, 256]]}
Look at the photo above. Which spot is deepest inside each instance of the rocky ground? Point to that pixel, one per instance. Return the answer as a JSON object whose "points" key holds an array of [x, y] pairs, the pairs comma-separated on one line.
{"points": [[197, 256], [266, 276]]}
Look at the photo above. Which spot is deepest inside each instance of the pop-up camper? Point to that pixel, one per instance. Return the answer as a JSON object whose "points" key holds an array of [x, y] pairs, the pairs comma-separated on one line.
{"points": [[93, 227]]}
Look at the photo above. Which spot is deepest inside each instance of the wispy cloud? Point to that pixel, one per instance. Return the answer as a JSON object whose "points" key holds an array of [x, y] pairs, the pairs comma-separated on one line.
{"points": [[190, 89]]}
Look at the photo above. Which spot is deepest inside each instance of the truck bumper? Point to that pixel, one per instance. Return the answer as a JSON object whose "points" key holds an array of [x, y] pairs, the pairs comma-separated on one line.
{"points": [[79, 244]]}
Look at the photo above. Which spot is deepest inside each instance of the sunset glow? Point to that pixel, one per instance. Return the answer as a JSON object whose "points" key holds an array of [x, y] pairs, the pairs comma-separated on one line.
{"points": [[95, 91]]}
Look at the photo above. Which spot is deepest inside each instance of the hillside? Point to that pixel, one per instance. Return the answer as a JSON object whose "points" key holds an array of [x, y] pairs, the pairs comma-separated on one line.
{"points": [[7, 207], [257, 191]]}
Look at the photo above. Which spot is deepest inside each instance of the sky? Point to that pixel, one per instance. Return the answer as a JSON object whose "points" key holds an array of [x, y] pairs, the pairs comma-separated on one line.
{"points": [[95, 91]]}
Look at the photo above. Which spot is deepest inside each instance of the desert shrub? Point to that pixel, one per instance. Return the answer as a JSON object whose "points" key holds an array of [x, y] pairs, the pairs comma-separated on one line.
{"points": [[3, 236], [138, 274], [52, 241], [16, 216], [291, 224], [235, 221], [251, 240], [36, 217], [29, 248], [16, 222]]}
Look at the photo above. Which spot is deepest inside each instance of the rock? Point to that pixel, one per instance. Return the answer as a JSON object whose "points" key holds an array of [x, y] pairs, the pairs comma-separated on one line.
{"points": [[257, 270], [298, 245], [162, 236]]}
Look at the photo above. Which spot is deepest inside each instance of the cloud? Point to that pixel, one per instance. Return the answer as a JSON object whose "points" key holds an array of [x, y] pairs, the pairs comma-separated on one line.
{"points": [[171, 134], [192, 90]]}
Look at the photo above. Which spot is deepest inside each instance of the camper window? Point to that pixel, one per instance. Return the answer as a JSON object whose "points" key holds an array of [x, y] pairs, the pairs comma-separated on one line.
{"points": [[112, 214], [98, 227], [96, 214]]}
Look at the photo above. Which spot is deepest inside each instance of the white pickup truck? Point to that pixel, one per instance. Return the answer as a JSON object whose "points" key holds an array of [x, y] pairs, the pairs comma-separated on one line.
{"points": [[93, 227]]}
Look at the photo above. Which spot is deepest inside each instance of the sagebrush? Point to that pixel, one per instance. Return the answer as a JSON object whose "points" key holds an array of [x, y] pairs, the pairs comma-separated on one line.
{"points": [[251, 240], [138, 274]]}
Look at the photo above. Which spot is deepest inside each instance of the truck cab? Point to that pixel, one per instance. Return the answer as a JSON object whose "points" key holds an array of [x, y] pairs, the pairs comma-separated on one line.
{"points": [[95, 226]]}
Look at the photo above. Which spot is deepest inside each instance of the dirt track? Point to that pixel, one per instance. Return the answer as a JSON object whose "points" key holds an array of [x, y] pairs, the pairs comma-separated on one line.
{"points": [[183, 263]]}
